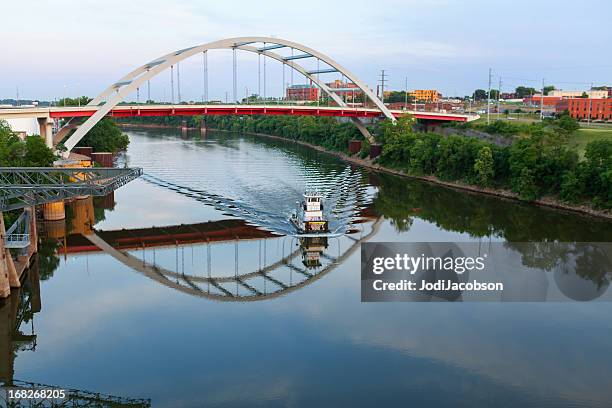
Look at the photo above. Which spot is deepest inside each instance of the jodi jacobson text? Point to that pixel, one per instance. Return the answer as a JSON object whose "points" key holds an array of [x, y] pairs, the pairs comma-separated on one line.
{"points": [[439, 285]]}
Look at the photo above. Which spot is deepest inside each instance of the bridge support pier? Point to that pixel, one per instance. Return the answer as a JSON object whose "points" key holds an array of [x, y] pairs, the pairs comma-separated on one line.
{"points": [[46, 130], [5, 287]]}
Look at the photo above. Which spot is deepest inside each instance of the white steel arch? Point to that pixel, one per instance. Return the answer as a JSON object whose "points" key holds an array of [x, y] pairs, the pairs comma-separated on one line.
{"points": [[129, 83]]}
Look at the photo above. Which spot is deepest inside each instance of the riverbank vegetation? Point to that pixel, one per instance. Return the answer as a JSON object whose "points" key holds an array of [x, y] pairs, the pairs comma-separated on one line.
{"points": [[538, 162], [105, 136], [15, 152]]}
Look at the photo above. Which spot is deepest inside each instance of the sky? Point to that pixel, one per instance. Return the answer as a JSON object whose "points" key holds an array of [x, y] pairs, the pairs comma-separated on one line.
{"points": [[69, 47]]}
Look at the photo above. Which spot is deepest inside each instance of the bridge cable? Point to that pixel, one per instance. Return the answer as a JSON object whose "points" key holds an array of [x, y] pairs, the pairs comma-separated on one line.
{"points": [[205, 76], [264, 75], [172, 83], [178, 81], [148, 88], [234, 77]]}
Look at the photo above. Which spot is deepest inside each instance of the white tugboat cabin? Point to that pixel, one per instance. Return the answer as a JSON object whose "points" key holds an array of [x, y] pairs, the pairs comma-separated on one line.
{"points": [[309, 217]]}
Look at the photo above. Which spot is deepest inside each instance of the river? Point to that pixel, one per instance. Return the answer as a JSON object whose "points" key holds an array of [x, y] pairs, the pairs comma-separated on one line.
{"points": [[299, 336]]}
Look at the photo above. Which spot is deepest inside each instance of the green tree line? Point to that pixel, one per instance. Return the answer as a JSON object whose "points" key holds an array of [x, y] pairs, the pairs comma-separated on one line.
{"points": [[538, 163]]}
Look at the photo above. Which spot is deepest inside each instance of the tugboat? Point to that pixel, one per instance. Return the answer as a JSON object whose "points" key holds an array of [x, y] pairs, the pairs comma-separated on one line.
{"points": [[312, 248], [308, 218]]}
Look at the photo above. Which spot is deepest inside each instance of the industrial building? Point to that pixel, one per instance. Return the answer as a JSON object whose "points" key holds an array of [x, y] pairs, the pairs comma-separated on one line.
{"points": [[426, 95], [599, 109], [302, 93]]}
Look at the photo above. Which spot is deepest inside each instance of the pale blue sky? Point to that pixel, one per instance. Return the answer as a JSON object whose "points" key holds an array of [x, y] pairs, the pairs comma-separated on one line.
{"points": [[82, 46]]}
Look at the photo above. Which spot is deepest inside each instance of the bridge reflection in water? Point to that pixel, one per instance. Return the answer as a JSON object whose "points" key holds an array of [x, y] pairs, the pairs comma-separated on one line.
{"points": [[302, 261]]}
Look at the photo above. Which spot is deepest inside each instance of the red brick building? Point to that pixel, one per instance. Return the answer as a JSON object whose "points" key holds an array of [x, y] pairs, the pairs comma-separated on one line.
{"points": [[302, 93], [354, 89], [579, 108], [535, 100]]}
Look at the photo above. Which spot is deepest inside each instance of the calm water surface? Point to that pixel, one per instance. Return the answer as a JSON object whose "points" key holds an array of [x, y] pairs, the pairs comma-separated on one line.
{"points": [[300, 335]]}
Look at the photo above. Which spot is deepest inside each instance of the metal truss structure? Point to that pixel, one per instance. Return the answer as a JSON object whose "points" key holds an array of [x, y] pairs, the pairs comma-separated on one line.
{"points": [[18, 235], [262, 46], [74, 398], [22, 187]]}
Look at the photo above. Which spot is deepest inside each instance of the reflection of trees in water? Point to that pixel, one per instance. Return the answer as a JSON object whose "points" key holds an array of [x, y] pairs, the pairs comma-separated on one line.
{"points": [[546, 239], [478, 215], [48, 260]]}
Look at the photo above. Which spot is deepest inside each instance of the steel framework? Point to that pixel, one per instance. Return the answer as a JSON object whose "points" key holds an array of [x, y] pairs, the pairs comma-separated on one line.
{"points": [[18, 235], [22, 187], [74, 398]]}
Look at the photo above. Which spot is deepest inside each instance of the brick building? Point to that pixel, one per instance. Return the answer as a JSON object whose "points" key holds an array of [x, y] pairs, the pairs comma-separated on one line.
{"points": [[302, 93], [349, 93], [427, 95], [535, 100], [579, 108]]}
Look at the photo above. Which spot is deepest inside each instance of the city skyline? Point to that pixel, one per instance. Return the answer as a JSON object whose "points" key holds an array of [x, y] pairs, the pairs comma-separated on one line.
{"points": [[444, 45]]}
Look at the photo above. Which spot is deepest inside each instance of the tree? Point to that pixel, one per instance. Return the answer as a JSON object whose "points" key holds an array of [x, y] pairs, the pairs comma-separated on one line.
{"points": [[37, 154], [566, 124], [484, 166], [527, 188], [105, 136], [480, 94], [549, 88], [80, 101], [523, 92]]}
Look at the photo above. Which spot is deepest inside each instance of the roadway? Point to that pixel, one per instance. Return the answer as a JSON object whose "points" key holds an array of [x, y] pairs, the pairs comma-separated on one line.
{"points": [[122, 111]]}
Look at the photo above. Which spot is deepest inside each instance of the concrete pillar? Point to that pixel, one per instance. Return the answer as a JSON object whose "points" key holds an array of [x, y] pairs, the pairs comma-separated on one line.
{"points": [[203, 126], [5, 287], [375, 150], [46, 130], [12, 272], [354, 146], [54, 211]]}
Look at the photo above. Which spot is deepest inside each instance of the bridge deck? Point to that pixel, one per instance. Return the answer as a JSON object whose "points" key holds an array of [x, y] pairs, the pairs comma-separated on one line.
{"points": [[189, 110]]}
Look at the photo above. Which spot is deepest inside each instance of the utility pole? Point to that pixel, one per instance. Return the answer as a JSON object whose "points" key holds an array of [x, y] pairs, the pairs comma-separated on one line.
{"points": [[489, 99], [383, 79], [590, 94], [542, 102], [406, 94], [499, 97], [17, 87]]}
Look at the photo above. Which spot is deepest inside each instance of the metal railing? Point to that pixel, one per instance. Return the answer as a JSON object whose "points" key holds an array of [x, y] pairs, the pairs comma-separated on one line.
{"points": [[18, 235]]}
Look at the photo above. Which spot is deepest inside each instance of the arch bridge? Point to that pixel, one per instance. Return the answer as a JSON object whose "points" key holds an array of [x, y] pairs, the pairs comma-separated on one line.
{"points": [[266, 47]]}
